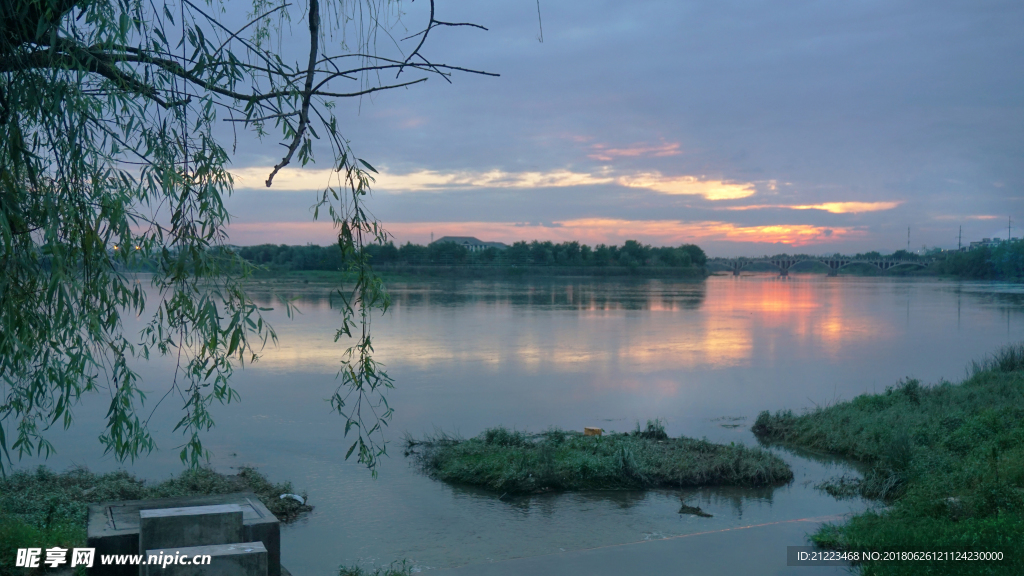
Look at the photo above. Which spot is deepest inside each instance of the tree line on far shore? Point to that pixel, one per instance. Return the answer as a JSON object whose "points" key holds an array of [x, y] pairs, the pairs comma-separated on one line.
{"points": [[1004, 261], [630, 254]]}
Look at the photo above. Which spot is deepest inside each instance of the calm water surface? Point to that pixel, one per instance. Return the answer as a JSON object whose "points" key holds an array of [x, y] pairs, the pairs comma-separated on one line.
{"points": [[704, 357]]}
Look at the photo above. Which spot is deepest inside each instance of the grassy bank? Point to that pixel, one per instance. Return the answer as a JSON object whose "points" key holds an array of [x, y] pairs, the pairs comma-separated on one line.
{"points": [[949, 459], [516, 462], [46, 509]]}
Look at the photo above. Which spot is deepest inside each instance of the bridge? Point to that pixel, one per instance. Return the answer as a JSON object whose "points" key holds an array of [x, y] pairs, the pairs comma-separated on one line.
{"points": [[834, 263]]}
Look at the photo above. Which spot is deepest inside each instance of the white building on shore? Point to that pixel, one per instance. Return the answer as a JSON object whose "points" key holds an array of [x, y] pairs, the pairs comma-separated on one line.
{"points": [[470, 243]]}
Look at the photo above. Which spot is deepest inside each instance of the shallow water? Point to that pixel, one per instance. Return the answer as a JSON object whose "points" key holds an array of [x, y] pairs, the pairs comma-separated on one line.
{"points": [[705, 357]]}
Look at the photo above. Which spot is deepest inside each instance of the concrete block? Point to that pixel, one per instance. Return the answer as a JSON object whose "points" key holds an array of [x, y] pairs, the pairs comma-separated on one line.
{"points": [[162, 528], [239, 559], [113, 527]]}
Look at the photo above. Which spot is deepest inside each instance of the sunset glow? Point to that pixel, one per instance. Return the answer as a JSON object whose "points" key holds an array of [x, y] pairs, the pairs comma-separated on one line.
{"points": [[605, 153], [833, 207], [436, 181], [689, 185], [849, 207], [591, 231]]}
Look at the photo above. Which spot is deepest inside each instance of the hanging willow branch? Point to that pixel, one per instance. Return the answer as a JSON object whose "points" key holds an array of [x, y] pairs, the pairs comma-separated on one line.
{"points": [[112, 118]]}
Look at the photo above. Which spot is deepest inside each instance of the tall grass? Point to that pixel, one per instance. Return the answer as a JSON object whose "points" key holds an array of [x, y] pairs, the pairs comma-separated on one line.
{"points": [[949, 459], [1008, 359], [514, 462]]}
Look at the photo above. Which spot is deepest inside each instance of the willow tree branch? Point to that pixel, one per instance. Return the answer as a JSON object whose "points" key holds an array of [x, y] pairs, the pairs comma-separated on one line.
{"points": [[80, 59], [423, 39], [307, 93]]}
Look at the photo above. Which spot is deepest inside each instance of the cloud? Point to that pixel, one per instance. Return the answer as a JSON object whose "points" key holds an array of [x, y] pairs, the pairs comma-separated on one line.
{"points": [[429, 180], [540, 224], [959, 217], [435, 181], [603, 153], [421, 180], [255, 178], [249, 234], [849, 207], [833, 207], [689, 185]]}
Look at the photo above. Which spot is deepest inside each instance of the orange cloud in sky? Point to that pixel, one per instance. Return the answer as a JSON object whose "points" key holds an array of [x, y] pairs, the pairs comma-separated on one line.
{"points": [[974, 217], [849, 207], [604, 154], [421, 180], [250, 233], [425, 180], [434, 181], [833, 207], [689, 185]]}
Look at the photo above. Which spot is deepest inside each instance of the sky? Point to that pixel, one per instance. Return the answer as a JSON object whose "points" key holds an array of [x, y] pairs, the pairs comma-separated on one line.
{"points": [[747, 127]]}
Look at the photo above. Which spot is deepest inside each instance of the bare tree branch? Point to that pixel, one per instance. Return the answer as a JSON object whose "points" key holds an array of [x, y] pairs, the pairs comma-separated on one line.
{"points": [[307, 94]]}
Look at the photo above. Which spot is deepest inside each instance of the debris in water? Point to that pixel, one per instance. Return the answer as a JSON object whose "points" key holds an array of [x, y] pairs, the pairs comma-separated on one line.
{"points": [[695, 510], [295, 497]]}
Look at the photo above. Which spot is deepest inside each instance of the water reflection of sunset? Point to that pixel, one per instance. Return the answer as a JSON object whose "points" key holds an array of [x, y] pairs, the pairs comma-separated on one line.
{"points": [[646, 328]]}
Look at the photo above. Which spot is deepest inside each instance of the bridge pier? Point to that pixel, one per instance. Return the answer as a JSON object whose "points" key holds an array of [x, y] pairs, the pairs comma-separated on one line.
{"points": [[833, 271], [735, 271], [784, 272]]}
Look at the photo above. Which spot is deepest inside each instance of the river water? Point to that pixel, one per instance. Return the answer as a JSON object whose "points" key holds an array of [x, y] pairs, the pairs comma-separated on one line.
{"points": [[705, 357]]}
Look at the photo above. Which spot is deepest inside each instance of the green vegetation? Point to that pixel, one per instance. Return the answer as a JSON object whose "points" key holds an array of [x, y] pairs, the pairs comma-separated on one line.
{"points": [[514, 462], [114, 156], [1004, 261], [948, 459], [631, 254], [43, 508]]}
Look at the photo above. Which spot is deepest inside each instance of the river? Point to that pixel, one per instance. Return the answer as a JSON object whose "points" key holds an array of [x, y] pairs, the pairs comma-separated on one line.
{"points": [[705, 357]]}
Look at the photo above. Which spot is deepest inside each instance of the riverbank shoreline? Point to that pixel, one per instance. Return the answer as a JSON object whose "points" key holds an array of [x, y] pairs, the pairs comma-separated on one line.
{"points": [[947, 459]]}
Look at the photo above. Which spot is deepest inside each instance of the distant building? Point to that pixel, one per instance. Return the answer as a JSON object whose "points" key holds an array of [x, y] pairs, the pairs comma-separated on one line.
{"points": [[986, 243], [470, 243]]}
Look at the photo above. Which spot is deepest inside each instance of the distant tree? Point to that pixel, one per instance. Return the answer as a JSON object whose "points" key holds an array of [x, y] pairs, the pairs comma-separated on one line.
{"points": [[448, 253], [518, 254], [586, 254], [388, 253], [385, 253], [488, 255], [675, 257], [414, 254], [635, 252], [697, 255]]}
